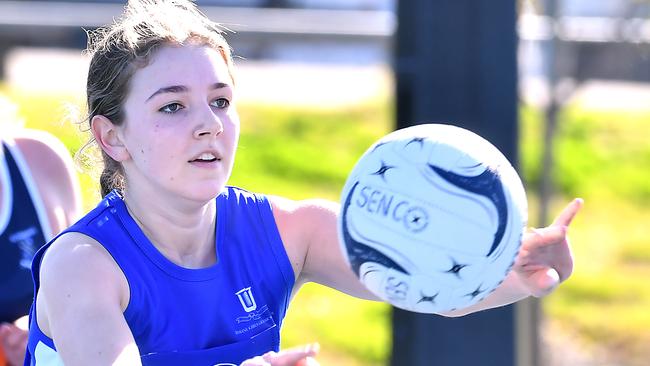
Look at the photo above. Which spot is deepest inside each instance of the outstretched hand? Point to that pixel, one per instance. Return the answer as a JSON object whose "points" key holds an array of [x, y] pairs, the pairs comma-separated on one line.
{"points": [[545, 259], [297, 356]]}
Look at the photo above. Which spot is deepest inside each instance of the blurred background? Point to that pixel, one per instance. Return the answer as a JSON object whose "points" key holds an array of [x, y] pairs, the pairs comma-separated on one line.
{"points": [[316, 87]]}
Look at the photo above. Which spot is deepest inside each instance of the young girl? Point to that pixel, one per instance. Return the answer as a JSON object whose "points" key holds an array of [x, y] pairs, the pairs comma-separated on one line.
{"points": [[173, 267]]}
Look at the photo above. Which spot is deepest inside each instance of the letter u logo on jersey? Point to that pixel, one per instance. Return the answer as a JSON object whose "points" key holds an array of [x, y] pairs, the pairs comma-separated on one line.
{"points": [[24, 239], [246, 299]]}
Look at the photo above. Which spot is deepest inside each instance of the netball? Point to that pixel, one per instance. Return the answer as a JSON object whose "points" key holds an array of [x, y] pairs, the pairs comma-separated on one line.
{"points": [[432, 218]]}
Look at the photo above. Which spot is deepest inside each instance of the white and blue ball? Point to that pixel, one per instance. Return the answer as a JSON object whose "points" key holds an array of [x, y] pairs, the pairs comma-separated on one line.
{"points": [[432, 218]]}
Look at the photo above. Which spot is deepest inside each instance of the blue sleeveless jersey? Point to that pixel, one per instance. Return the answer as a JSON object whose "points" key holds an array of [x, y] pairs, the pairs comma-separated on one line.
{"points": [[24, 228], [219, 315]]}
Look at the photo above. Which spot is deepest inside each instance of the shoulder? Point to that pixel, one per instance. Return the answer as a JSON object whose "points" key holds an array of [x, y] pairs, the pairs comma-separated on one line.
{"points": [[46, 156], [31, 142], [82, 292], [51, 166], [77, 264], [302, 215], [302, 224]]}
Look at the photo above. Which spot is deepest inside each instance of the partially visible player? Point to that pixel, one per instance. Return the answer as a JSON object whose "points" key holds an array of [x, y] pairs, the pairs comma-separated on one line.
{"points": [[39, 197]]}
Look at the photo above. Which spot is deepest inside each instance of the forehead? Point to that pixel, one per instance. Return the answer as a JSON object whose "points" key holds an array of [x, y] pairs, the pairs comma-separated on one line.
{"points": [[192, 66]]}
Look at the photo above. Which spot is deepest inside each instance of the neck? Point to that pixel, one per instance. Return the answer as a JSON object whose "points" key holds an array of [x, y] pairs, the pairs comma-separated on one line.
{"points": [[181, 230]]}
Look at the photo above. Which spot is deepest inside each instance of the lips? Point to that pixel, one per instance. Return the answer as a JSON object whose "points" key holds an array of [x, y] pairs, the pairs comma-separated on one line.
{"points": [[206, 157]]}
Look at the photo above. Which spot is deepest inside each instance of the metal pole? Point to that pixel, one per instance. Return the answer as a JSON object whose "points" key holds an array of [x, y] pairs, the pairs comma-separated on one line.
{"points": [[456, 63], [550, 114]]}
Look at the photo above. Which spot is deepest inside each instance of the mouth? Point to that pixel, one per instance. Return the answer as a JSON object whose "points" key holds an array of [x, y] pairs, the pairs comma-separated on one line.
{"points": [[206, 157]]}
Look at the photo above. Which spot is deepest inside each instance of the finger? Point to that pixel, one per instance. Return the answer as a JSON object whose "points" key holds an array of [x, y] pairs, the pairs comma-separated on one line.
{"points": [[16, 338], [568, 213], [5, 328], [269, 356], [308, 361], [255, 361], [291, 356], [548, 235]]}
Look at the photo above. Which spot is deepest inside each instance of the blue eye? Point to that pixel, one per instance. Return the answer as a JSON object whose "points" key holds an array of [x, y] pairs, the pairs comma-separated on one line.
{"points": [[171, 108], [220, 103]]}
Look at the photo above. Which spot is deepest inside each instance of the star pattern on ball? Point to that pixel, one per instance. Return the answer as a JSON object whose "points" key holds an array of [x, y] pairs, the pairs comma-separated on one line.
{"points": [[416, 219], [476, 292], [456, 268], [418, 140], [379, 144], [425, 298], [382, 171]]}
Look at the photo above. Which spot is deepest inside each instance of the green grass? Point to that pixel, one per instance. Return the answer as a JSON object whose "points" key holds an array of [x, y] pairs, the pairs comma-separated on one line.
{"points": [[350, 328], [280, 154], [604, 154], [603, 157]]}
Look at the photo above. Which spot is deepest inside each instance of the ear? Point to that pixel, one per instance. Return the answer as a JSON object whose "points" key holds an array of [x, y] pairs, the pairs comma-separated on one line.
{"points": [[108, 138]]}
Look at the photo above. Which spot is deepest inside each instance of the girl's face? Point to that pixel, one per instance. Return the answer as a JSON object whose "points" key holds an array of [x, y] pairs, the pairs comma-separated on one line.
{"points": [[181, 127]]}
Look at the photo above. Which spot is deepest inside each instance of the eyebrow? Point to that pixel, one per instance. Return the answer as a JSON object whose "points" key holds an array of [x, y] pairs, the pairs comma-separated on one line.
{"points": [[183, 88]]}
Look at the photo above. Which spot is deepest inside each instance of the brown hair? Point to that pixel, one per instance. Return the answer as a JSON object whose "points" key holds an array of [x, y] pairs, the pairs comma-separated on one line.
{"points": [[120, 49]]}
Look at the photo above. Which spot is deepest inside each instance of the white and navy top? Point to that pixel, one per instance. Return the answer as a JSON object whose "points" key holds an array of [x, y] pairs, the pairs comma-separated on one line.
{"points": [[219, 315], [24, 228]]}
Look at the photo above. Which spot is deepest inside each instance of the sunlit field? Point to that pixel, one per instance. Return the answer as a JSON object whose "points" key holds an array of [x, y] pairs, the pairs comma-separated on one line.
{"points": [[603, 157]]}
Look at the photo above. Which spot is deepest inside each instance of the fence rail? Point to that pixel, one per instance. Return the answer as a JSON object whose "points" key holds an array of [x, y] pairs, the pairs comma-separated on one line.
{"points": [[357, 36], [374, 23]]}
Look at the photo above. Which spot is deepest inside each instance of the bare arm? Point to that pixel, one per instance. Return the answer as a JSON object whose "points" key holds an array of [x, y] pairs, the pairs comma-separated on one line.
{"points": [[309, 232], [80, 303]]}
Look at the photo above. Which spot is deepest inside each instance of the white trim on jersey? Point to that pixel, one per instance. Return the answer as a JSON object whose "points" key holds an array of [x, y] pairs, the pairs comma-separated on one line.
{"points": [[45, 356], [7, 192], [31, 188]]}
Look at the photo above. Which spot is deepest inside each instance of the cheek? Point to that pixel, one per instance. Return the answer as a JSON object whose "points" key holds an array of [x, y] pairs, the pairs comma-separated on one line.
{"points": [[233, 139], [155, 148], [234, 129]]}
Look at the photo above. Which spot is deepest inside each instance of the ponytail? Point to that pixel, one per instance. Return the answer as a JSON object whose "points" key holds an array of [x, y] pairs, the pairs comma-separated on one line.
{"points": [[112, 176]]}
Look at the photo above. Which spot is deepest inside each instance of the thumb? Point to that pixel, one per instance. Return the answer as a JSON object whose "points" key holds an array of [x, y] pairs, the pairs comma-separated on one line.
{"points": [[544, 282]]}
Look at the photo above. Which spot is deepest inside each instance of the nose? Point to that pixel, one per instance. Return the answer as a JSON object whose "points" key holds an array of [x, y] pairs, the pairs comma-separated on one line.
{"points": [[209, 124]]}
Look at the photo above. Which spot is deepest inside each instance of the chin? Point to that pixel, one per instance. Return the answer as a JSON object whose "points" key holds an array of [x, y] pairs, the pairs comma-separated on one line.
{"points": [[206, 191]]}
